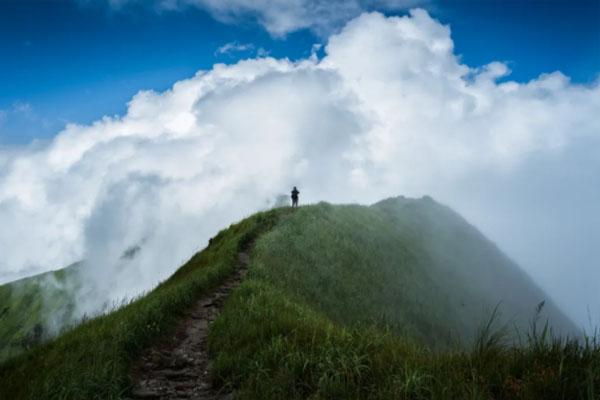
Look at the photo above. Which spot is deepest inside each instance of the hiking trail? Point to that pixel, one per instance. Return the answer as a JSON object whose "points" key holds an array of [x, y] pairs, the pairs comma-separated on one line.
{"points": [[178, 367]]}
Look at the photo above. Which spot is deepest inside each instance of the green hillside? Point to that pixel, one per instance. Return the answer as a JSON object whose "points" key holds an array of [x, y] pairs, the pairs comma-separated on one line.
{"points": [[341, 302], [34, 309], [411, 264]]}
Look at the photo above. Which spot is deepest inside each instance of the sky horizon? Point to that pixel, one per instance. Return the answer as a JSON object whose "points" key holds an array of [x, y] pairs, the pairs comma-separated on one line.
{"points": [[129, 121]]}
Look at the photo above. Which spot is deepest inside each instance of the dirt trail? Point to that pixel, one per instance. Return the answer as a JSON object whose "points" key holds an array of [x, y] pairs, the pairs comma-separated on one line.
{"points": [[178, 368]]}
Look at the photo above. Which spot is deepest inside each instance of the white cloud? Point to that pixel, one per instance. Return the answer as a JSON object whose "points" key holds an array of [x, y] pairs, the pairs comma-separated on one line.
{"points": [[280, 17], [389, 110], [234, 47]]}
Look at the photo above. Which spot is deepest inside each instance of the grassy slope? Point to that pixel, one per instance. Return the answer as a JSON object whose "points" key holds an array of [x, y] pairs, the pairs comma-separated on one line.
{"points": [[413, 264], [347, 301], [93, 360]]}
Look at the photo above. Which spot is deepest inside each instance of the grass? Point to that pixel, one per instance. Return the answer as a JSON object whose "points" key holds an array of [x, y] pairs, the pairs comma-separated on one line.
{"points": [[271, 346], [93, 361]]}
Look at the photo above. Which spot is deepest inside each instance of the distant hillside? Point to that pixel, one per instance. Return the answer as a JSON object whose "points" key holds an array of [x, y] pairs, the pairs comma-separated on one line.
{"points": [[36, 308]]}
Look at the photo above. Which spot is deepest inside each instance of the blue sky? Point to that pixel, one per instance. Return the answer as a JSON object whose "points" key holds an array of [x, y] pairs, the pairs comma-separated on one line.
{"points": [[75, 61]]}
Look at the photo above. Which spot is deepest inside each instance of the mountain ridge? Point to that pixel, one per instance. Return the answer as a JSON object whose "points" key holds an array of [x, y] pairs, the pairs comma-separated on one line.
{"points": [[340, 301]]}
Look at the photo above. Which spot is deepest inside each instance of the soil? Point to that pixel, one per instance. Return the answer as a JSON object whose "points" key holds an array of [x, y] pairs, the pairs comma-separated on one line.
{"points": [[178, 367]]}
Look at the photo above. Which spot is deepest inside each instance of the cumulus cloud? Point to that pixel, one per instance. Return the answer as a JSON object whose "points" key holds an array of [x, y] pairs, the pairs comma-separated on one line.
{"points": [[280, 17], [388, 110]]}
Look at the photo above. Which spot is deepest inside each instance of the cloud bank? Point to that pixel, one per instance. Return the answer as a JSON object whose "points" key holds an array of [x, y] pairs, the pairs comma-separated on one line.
{"points": [[388, 110]]}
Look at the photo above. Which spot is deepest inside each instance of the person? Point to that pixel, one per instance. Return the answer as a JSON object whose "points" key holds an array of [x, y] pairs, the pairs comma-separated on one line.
{"points": [[295, 194]]}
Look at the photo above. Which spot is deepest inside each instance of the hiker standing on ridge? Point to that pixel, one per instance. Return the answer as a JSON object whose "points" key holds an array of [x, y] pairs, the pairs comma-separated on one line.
{"points": [[295, 194]]}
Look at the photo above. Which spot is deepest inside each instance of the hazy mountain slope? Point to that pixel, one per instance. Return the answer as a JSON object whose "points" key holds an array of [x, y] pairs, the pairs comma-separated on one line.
{"points": [[412, 264], [472, 273]]}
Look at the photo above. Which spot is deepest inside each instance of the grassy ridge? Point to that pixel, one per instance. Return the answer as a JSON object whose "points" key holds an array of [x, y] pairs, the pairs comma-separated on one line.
{"points": [[93, 361], [341, 302], [350, 263], [346, 302], [410, 264]]}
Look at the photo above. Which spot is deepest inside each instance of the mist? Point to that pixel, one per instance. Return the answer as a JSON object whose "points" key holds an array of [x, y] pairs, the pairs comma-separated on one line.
{"points": [[388, 110]]}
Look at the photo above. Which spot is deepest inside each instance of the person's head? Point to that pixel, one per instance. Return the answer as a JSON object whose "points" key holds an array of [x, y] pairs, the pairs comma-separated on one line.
{"points": [[294, 187]]}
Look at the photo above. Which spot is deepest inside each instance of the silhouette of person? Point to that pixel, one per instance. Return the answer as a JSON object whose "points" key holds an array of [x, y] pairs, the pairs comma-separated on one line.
{"points": [[295, 194]]}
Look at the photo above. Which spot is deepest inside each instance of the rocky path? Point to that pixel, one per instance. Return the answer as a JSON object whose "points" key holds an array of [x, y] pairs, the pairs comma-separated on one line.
{"points": [[179, 367]]}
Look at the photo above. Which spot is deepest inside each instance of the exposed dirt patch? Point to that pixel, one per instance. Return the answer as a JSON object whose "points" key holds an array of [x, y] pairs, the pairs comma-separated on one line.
{"points": [[178, 368]]}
